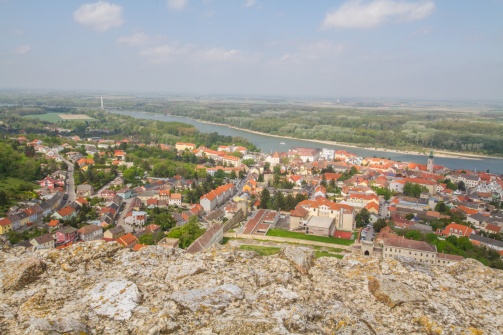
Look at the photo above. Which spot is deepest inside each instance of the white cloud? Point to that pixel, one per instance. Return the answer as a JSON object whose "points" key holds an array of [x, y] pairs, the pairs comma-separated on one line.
{"points": [[100, 16], [177, 4], [250, 3], [22, 49], [309, 53], [174, 52], [139, 39], [360, 14]]}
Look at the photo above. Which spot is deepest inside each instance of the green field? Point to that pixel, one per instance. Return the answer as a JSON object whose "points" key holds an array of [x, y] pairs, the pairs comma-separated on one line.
{"points": [[53, 117], [300, 236]]}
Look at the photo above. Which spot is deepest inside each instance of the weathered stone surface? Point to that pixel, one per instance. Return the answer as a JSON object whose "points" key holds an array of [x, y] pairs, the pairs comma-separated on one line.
{"points": [[393, 293], [231, 291], [190, 268], [300, 257], [18, 276], [212, 298], [116, 299]]}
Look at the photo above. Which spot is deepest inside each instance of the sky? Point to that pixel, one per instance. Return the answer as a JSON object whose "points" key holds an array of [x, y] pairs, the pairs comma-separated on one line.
{"points": [[426, 49]]}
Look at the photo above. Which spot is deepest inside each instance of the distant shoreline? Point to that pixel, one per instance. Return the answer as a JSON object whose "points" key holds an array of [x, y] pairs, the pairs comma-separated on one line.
{"points": [[438, 153]]}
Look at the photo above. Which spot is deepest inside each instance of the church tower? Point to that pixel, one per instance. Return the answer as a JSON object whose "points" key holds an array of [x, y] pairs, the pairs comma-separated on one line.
{"points": [[429, 167]]}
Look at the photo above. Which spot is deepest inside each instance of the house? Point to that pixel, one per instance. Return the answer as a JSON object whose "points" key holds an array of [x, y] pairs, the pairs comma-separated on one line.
{"points": [[108, 194], [125, 193], [84, 190], [455, 229], [5, 226], [66, 213], [48, 182], [175, 199], [45, 241], [114, 233], [136, 218], [66, 235], [181, 146], [120, 155], [90, 232], [128, 240], [231, 161], [54, 224], [420, 251]]}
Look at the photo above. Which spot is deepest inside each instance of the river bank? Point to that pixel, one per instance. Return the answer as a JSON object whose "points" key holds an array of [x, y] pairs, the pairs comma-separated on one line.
{"points": [[438, 153]]}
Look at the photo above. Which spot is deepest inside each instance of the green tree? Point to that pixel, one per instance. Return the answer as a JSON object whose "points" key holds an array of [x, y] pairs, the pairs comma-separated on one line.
{"points": [[323, 181], [414, 235], [379, 224], [233, 175], [265, 198], [461, 186], [147, 238], [187, 233], [409, 216]]}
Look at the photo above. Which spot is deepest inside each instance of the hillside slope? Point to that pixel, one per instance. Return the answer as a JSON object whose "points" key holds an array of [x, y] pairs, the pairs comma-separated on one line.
{"points": [[98, 288]]}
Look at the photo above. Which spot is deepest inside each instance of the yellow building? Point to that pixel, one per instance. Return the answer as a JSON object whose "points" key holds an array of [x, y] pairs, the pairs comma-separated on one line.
{"points": [[5, 226]]}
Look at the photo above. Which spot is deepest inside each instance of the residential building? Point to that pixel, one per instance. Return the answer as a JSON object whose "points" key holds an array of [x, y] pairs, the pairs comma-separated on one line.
{"points": [[136, 218], [45, 241], [66, 235], [420, 251], [90, 232], [128, 240], [455, 229], [114, 233], [5, 226]]}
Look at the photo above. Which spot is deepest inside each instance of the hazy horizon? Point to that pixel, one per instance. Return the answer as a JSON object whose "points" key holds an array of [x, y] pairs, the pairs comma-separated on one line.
{"points": [[353, 49]]}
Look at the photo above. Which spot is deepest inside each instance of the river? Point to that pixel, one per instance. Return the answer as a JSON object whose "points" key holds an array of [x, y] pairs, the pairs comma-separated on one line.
{"points": [[269, 144]]}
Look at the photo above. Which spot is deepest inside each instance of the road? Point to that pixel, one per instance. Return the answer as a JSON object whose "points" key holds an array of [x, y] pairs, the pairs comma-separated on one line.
{"points": [[120, 219], [97, 194], [70, 183]]}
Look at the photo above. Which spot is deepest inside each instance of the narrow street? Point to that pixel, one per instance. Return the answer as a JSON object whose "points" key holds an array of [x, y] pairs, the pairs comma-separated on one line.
{"points": [[70, 183]]}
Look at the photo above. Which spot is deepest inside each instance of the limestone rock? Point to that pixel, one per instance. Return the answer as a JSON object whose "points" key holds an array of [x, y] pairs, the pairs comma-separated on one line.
{"points": [[116, 299], [393, 293], [19, 275], [211, 298], [190, 268], [300, 257], [93, 288]]}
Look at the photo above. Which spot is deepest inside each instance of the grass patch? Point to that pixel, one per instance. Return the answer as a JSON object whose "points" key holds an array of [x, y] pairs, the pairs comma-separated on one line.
{"points": [[300, 236], [320, 248], [225, 240], [261, 250], [319, 254], [16, 184]]}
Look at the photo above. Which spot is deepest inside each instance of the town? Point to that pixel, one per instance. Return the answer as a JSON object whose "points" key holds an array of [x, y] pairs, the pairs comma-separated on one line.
{"points": [[331, 200]]}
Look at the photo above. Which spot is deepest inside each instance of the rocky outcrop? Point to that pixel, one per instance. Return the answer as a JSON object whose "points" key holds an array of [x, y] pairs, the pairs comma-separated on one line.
{"points": [[17, 276], [101, 288]]}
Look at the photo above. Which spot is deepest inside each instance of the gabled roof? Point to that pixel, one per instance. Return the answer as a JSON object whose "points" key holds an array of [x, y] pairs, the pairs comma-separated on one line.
{"points": [[4, 222]]}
